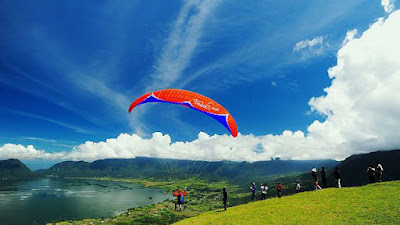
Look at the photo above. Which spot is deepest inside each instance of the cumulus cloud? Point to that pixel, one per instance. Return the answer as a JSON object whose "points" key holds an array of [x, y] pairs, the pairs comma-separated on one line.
{"points": [[205, 147], [388, 5], [361, 103], [350, 35], [22, 152], [360, 106]]}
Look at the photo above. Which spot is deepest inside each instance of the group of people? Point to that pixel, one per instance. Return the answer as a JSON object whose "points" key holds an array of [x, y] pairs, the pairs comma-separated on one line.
{"points": [[336, 174], [374, 175], [264, 190]]}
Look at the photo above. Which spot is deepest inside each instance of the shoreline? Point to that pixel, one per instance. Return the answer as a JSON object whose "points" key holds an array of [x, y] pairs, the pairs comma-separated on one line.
{"points": [[203, 196]]}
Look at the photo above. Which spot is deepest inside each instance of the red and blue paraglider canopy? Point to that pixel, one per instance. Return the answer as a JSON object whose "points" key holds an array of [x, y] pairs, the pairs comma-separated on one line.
{"points": [[191, 100]]}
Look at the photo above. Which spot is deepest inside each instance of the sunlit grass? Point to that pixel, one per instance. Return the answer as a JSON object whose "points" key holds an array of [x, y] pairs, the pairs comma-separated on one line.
{"points": [[371, 204]]}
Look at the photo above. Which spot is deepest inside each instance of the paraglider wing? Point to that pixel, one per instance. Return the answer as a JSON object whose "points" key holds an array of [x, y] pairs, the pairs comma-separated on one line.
{"points": [[191, 100]]}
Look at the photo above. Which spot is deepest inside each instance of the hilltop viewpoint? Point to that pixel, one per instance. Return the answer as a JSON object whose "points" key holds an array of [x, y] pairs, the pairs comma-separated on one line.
{"points": [[377, 203]]}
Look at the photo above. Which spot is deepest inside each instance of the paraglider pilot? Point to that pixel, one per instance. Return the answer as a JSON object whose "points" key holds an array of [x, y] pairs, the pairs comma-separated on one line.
{"points": [[180, 198]]}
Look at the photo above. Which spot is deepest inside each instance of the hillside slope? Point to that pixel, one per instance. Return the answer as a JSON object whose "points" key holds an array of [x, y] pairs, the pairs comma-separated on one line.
{"points": [[354, 167], [353, 171], [14, 169], [377, 203]]}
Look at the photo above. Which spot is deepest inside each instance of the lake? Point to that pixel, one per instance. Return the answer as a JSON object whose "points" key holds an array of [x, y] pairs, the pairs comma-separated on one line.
{"points": [[45, 200]]}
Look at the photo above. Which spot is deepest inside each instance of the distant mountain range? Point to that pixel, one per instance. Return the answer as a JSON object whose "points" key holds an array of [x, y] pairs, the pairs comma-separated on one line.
{"points": [[353, 169], [179, 169]]}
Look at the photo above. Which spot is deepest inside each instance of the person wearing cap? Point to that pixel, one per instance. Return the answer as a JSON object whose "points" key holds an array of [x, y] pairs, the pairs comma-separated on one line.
{"points": [[315, 176]]}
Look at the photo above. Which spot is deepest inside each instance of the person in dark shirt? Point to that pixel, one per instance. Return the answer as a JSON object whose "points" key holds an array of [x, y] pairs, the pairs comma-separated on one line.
{"points": [[337, 176], [253, 189], [180, 198], [279, 189], [371, 174], [224, 197], [323, 177]]}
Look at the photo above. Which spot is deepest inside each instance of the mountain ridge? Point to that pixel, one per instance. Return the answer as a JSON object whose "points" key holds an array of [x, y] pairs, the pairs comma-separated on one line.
{"points": [[14, 169]]}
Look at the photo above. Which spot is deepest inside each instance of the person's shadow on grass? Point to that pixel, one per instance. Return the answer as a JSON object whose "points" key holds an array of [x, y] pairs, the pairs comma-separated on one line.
{"points": [[220, 210]]}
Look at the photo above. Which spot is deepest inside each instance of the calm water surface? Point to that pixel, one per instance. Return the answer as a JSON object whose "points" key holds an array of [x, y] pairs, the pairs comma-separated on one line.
{"points": [[45, 200]]}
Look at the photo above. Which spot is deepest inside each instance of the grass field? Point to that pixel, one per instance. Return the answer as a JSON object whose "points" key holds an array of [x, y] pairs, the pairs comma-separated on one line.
{"points": [[377, 203]]}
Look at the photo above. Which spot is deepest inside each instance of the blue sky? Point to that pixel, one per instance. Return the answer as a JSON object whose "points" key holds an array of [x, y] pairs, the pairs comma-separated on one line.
{"points": [[69, 70]]}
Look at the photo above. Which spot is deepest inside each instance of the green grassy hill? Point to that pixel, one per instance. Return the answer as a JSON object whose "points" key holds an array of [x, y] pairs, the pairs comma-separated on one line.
{"points": [[377, 203]]}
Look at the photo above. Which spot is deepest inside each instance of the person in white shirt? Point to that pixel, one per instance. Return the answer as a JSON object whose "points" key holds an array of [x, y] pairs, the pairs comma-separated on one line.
{"points": [[298, 187], [264, 190], [378, 171]]}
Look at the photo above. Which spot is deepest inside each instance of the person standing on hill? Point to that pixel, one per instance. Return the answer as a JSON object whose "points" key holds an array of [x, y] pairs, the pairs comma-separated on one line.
{"points": [[298, 187], [371, 174], [180, 198], [315, 176], [224, 197], [264, 190], [323, 177], [253, 189], [337, 176], [378, 171], [279, 188]]}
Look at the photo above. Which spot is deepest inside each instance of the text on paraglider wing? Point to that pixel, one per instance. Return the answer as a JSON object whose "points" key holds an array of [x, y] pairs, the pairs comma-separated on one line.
{"points": [[208, 106]]}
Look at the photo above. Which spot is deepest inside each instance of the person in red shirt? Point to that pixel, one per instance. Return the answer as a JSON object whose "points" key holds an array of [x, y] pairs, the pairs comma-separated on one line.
{"points": [[180, 198], [279, 189]]}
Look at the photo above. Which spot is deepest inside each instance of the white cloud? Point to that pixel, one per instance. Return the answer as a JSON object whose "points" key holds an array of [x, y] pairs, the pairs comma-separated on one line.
{"points": [[308, 43], [361, 104], [388, 5], [205, 147], [181, 43], [361, 109], [310, 48], [22, 152], [350, 35]]}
